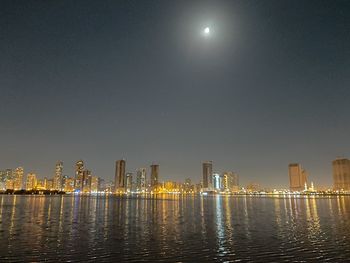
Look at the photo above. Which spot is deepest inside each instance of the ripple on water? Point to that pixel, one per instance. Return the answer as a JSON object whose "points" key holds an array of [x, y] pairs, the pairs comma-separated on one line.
{"points": [[189, 229]]}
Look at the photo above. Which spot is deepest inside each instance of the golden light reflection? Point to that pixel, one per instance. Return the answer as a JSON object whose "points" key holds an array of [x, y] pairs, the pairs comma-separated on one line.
{"points": [[106, 201], [278, 216], [1, 207], [343, 205], [12, 218], [220, 229], [60, 224], [246, 219], [313, 220]]}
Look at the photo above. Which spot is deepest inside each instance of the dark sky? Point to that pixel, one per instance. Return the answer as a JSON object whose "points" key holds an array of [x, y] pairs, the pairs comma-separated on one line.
{"points": [[104, 80]]}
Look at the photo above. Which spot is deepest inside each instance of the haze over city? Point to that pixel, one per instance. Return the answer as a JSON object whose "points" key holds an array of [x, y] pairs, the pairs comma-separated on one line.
{"points": [[267, 86]]}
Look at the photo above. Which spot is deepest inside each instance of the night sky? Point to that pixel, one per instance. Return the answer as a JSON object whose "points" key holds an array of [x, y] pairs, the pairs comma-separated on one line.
{"points": [[105, 80]]}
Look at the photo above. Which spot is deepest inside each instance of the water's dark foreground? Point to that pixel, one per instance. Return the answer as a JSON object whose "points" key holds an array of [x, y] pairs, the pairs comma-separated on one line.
{"points": [[174, 229]]}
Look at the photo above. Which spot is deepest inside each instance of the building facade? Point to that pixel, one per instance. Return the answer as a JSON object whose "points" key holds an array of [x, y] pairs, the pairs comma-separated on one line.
{"points": [[217, 182], [31, 181], [341, 174], [129, 182], [14, 179], [230, 182], [297, 177], [79, 173], [141, 180], [154, 176], [207, 175], [58, 178], [119, 179]]}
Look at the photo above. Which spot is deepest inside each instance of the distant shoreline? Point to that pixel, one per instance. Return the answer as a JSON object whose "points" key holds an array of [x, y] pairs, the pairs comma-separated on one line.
{"points": [[55, 192]]}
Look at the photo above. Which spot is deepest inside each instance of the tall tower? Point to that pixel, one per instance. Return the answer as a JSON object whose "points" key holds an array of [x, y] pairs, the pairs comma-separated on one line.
{"points": [[79, 170], [86, 181], [230, 182], [341, 174], [129, 182], [18, 179], [57, 181], [31, 182], [297, 177], [154, 176], [119, 179], [141, 180], [207, 175], [217, 181]]}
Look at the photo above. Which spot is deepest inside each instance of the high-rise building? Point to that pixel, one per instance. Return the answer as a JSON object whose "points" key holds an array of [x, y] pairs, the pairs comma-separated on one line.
{"points": [[109, 187], [94, 184], [48, 184], [230, 182], [86, 181], [154, 177], [297, 177], [101, 185], [8, 183], [128, 182], [79, 169], [31, 181], [187, 186], [207, 175], [58, 178], [43, 184], [69, 184], [141, 180], [341, 174], [2, 180], [64, 181], [119, 179], [217, 181], [18, 178], [9, 174]]}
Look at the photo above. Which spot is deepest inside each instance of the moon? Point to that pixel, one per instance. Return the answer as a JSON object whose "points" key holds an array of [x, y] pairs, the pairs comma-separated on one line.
{"points": [[207, 31]]}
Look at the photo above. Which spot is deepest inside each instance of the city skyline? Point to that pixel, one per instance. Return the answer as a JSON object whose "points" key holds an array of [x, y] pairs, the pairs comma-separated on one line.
{"points": [[129, 180], [265, 86], [174, 131]]}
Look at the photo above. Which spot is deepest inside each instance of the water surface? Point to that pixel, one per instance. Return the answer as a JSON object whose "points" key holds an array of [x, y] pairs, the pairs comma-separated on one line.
{"points": [[174, 229]]}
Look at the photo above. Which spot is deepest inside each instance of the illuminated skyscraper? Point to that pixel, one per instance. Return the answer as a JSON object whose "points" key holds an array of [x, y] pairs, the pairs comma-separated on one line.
{"points": [[230, 182], [18, 179], [86, 181], [297, 177], [8, 183], [341, 174], [58, 179], [94, 183], [217, 181], [2, 180], [31, 181], [119, 179], [69, 184], [128, 182], [79, 169], [48, 184], [141, 180], [154, 176], [43, 184], [207, 175], [64, 181]]}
